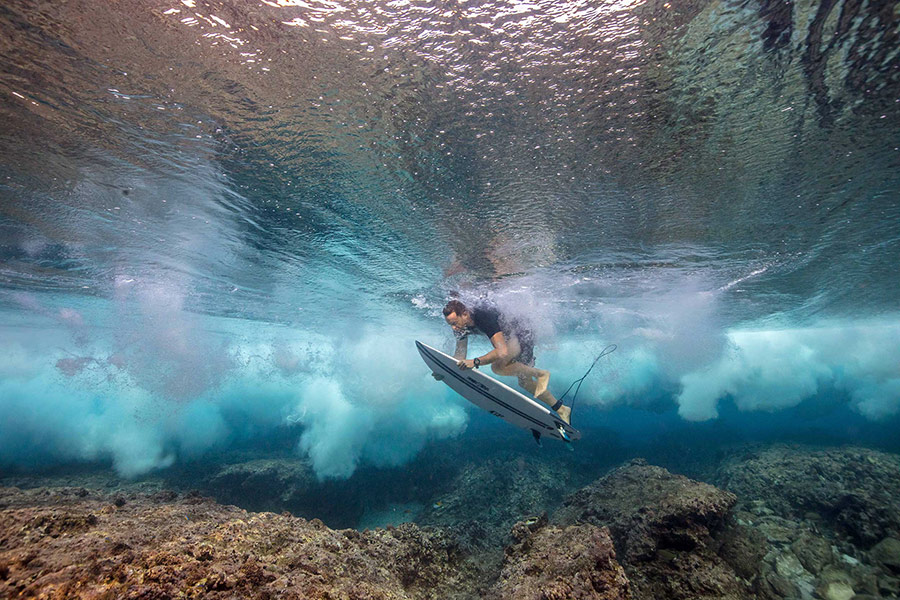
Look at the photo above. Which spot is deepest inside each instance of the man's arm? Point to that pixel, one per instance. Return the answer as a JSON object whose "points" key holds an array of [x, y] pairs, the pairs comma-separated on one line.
{"points": [[499, 352], [462, 347]]}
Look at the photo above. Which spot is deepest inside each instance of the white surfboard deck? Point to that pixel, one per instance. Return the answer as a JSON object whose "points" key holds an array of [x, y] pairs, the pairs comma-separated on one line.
{"points": [[496, 397]]}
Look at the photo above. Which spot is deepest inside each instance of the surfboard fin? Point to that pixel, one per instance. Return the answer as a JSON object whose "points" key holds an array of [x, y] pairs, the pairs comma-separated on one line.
{"points": [[563, 434], [537, 437]]}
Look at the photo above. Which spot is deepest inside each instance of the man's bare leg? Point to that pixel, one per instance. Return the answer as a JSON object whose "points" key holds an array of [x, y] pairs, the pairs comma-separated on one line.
{"points": [[547, 398], [543, 380], [532, 379], [526, 381], [523, 371]]}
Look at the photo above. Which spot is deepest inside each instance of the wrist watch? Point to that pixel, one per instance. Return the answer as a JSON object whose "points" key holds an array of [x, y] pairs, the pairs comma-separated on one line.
{"points": [[476, 361]]}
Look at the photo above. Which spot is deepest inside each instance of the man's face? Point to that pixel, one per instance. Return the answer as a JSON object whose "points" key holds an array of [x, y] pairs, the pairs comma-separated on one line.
{"points": [[459, 323]]}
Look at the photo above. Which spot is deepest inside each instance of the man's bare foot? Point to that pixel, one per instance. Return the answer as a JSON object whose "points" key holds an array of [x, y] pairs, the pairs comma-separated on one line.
{"points": [[565, 413], [541, 385]]}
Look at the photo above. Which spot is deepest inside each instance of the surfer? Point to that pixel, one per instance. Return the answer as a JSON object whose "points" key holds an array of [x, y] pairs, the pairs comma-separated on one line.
{"points": [[513, 353]]}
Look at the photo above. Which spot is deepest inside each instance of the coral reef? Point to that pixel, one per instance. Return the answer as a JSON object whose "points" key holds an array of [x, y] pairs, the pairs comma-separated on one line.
{"points": [[786, 522], [668, 532], [72, 542], [67, 543]]}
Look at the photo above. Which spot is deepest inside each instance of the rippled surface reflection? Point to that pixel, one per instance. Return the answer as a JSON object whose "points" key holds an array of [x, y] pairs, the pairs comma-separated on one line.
{"points": [[282, 154]]}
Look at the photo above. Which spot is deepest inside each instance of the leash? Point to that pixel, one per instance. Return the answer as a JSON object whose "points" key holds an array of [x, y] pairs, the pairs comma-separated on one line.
{"points": [[606, 351]]}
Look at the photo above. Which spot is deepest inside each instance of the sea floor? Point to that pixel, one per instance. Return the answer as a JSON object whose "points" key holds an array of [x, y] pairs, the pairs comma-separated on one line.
{"points": [[751, 521]]}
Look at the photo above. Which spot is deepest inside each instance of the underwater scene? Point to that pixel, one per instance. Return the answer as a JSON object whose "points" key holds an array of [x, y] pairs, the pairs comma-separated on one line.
{"points": [[648, 249]]}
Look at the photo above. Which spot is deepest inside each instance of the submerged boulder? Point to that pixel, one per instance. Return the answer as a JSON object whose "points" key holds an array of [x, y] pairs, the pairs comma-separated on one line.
{"points": [[887, 554], [813, 551], [648, 508], [668, 532], [546, 562]]}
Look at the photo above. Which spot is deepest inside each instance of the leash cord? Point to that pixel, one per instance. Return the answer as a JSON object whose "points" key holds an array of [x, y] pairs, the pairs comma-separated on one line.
{"points": [[608, 350]]}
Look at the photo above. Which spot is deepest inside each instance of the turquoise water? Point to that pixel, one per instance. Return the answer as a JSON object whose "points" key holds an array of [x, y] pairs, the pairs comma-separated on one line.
{"points": [[223, 226]]}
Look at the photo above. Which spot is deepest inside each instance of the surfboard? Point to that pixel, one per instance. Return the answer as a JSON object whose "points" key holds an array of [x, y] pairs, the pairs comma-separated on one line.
{"points": [[497, 398]]}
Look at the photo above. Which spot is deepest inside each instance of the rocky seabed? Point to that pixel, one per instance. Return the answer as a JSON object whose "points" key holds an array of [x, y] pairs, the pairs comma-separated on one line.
{"points": [[780, 522]]}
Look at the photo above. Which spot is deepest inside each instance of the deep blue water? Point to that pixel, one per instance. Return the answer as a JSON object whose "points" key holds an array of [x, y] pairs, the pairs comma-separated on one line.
{"points": [[224, 223]]}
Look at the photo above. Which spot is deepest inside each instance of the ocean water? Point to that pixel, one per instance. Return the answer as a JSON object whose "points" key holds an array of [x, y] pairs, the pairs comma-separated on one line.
{"points": [[224, 224]]}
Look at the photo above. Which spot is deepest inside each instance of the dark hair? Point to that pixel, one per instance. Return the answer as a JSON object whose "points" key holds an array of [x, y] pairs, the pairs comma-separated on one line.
{"points": [[455, 306]]}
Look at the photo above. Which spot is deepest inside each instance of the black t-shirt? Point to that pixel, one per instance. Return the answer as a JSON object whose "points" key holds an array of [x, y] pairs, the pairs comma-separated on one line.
{"points": [[487, 320]]}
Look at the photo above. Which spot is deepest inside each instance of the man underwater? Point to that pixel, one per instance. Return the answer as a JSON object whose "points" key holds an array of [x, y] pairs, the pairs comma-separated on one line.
{"points": [[513, 353]]}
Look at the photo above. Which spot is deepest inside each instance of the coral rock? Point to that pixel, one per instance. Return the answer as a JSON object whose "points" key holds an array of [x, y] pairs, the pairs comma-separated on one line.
{"points": [[887, 553], [554, 563], [667, 531], [836, 591], [813, 551], [197, 548], [853, 489]]}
